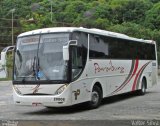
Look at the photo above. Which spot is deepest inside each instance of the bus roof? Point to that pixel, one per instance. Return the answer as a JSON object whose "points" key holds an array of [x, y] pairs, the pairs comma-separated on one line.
{"points": [[92, 30]]}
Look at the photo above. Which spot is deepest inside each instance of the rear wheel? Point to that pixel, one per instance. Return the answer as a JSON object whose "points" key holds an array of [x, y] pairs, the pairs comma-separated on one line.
{"points": [[96, 97], [142, 91]]}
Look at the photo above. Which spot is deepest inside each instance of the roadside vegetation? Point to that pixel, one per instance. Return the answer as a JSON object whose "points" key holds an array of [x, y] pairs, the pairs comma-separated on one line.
{"points": [[136, 18]]}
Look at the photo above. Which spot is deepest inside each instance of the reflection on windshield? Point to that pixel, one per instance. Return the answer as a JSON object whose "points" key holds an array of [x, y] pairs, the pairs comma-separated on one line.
{"points": [[51, 60], [25, 56], [41, 60]]}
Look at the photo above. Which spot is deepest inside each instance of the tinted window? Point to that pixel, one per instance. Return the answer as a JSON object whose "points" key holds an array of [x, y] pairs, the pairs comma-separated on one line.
{"points": [[116, 48], [98, 47]]}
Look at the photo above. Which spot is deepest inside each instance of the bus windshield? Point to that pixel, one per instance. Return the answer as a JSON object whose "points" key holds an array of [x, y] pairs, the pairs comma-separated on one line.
{"points": [[40, 57]]}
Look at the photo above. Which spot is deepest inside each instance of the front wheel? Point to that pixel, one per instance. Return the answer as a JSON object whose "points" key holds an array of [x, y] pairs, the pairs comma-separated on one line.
{"points": [[96, 98]]}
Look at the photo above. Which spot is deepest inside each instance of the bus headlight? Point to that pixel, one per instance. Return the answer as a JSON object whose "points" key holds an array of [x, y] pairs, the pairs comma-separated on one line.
{"points": [[17, 90], [61, 89]]}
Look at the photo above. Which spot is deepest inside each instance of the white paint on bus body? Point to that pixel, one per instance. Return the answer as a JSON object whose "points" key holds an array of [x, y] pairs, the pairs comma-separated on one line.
{"points": [[3, 58]]}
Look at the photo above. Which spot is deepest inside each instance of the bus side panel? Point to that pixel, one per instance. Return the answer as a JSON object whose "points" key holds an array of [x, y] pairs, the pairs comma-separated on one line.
{"points": [[112, 73], [120, 76], [81, 90], [115, 77], [148, 74], [144, 71]]}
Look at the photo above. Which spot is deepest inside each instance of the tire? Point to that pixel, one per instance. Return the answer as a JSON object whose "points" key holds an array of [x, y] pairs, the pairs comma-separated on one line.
{"points": [[96, 98], [142, 91]]}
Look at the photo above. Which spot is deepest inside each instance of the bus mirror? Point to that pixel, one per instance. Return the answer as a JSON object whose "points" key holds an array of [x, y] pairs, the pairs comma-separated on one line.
{"points": [[66, 49], [73, 42], [65, 53]]}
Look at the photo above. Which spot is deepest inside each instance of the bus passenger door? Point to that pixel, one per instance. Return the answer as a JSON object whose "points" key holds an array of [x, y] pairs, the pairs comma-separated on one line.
{"points": [[78, 84], [78, 58]]}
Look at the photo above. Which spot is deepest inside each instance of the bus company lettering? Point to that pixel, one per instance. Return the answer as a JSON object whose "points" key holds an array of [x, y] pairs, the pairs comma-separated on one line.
{"points": [[110, 68]]}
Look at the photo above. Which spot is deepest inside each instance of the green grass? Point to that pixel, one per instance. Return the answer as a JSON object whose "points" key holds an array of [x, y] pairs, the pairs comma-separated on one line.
{"points": [[6, 79]]}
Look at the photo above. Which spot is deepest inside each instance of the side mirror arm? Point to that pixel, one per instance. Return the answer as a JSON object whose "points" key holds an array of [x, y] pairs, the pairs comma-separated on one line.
{"points": [[66, 49]]}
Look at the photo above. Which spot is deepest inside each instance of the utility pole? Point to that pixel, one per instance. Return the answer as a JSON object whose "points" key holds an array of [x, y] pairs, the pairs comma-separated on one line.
{"points": [[51, 9], [12, 11]]}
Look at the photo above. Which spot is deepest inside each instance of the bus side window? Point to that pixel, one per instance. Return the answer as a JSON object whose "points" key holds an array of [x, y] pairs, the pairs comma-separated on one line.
{"points": [[99, 47]]}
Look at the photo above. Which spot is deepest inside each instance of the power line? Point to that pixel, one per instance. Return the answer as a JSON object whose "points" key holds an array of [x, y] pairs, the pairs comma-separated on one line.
{"points": [[8, 19], [5, 44], [5, 35], [8, 27]]}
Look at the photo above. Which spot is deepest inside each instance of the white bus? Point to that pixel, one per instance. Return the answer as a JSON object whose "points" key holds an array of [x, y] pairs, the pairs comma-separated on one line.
{"points": [[64, 66], [3, 60]]}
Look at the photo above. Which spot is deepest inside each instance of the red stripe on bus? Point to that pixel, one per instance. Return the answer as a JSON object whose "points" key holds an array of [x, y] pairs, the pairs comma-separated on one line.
{"points": [[136, 78], [135, 70], [128, 79]]}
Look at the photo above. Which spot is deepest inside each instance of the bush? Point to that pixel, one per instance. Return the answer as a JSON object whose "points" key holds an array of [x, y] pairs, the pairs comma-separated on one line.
{"points": [[9, 65]]}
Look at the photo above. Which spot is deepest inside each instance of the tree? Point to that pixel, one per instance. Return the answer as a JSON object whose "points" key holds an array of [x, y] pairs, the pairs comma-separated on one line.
{"points": [[136, 18], [153, 17], [129, 10]]}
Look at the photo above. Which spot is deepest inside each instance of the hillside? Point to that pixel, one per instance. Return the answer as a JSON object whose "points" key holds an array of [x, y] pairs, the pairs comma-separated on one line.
{"points": [[136, 18]]}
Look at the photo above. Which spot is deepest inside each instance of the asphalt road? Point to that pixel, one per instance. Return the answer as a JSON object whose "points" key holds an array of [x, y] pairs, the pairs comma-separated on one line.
{"points": [[123, 107]]}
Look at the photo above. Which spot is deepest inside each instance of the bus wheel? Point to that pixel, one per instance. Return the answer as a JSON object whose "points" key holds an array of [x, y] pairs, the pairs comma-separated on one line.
{"points": [[96, 97], [142, 91]]}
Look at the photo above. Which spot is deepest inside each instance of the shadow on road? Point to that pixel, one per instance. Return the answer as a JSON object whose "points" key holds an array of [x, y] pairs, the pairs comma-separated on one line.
{"points": [[125, 96], [119, 98], [60, 110]]}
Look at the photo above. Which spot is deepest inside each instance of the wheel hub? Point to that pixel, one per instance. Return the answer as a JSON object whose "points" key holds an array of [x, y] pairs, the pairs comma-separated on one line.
{"points": [[95, 97]]}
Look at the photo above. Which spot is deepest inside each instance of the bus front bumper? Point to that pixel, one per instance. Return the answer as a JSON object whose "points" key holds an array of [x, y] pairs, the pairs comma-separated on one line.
{"points": [[60, 100]]}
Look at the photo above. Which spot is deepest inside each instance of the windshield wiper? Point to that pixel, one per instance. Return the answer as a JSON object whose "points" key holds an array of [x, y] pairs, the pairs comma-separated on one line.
{"points": [[20, 57], [36, 68], [33, 66], [39, 69]]}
